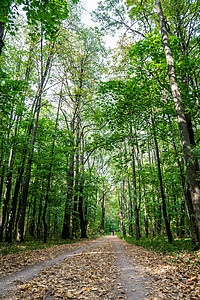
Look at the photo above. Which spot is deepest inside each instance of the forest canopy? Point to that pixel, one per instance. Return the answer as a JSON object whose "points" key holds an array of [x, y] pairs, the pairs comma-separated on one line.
{"points": [[95, 140]]}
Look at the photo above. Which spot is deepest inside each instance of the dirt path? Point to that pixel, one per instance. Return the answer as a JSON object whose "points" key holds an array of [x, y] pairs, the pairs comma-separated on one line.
{"points": [[26, 274], [133, 278], [100, 270]]}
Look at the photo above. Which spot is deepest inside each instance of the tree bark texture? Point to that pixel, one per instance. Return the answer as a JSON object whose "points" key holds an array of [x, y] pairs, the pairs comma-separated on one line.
{"points": [[11, 217], [81, 190], [121, 208], [20, 227], [68, 203], [181, 119], [103, 207], [130, 206], [49, 175], [1, 36], [135, 205], [6, 194], [167, 224]]}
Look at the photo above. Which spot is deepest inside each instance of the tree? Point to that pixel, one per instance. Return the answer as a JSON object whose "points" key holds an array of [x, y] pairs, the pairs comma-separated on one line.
{"points": [[181, 119], [51, 14]]}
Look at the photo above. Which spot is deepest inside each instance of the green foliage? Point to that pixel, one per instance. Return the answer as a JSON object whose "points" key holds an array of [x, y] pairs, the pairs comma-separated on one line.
{"points": [[31, 244], [104, 121], [160, 244], [5, 10], [49, 14], [111, 14]]}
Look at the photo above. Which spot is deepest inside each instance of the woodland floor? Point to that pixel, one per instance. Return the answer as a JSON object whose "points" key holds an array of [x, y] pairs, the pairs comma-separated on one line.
{"points": [[102, 268]]}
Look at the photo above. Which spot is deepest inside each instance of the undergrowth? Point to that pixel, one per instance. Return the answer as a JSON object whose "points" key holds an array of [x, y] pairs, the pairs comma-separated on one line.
{"points": [[161, 244], [33, 244]]}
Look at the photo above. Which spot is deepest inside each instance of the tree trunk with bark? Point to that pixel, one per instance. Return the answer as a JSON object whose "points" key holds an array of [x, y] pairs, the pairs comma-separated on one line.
{"points": [[44, 75], [167, 224], [32, 224], [6, 194], [135, 205], [68, 203], [11, 217], [20, 227], [121, 208], [38, 229], [75, 213], [49, 175], [81, 189], [181, 119], [130, 206], [1, 36], [70, 184], [103, 207], [146, 220]]}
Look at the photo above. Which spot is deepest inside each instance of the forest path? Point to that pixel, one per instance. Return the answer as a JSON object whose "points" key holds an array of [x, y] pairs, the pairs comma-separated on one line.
{"points": [[99, 270], [133, 277], [27, 273]]}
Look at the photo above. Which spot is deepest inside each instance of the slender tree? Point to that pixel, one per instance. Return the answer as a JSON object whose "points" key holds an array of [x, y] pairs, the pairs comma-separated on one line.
{"points": [[181, 119]]}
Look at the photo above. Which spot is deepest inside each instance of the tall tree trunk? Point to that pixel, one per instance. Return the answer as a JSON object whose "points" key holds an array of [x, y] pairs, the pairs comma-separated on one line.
{"points": [[2, 180], [185, 200], [103, 207], [75, 223], [185, 139], [80, 209], [32, 225], [20, 227], [182, 217], [81, 189], [6, 194], [38, 229], [7, 191], [8, 180], [135, 205], [2, 165], [146, 221], [156, 205], [121, 209], [167, 224], [86, 214], [75, 213], [70, 184], [68, 203], [50, 174], [55, 227], [130, 206], [2, 24], [44, 72], [11, 218], [191, 215], [28, 214]]}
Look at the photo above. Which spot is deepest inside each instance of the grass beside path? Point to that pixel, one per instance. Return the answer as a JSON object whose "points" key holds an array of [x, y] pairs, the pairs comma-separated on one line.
{"points": [[161, 244]]}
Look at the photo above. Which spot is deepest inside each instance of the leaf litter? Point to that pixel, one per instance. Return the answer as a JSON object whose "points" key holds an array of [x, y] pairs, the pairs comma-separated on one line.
{"points": [[95, 274], [172, 276], [13, 262]]}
